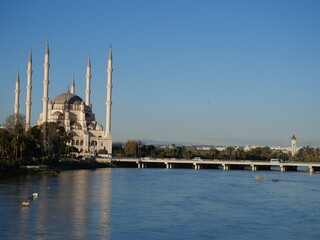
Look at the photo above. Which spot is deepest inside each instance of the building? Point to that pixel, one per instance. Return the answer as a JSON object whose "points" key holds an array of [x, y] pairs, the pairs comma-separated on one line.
{"points": [[293, 145], [70, 111]]}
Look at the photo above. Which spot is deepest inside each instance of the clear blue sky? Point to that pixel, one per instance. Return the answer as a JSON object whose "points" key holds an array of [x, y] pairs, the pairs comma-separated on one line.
{"points": [[212, 72]]}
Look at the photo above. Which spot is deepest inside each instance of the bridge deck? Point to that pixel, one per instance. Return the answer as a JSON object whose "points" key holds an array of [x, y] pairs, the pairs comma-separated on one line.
{"points": [[214, 164]]}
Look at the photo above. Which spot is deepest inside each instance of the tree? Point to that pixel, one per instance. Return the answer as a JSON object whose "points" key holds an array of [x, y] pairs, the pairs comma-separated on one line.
{"points": [[117, 148], [10, 122], [131, 148], [148, 150], [34, 143], [18, 140], [5, 143], [54, 140], [307, 154]]}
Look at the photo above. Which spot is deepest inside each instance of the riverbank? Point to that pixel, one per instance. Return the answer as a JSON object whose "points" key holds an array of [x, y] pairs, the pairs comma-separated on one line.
{"points": [[52, 169], [77, 165]]}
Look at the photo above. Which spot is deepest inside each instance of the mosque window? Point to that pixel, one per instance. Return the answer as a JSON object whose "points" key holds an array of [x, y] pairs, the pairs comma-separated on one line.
{"points": [[77, 142], [76, 126], [81, 142]]}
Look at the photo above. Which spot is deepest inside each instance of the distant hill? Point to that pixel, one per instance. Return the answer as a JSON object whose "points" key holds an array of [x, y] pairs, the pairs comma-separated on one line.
{"points": [[155, 142]]}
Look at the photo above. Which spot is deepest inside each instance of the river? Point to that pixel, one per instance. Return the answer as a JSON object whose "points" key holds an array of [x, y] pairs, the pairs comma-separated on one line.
{"points": [[121, 204]]}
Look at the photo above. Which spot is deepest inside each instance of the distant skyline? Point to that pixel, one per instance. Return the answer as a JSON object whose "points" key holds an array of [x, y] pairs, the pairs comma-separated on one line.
{"points": [[209, 72]]}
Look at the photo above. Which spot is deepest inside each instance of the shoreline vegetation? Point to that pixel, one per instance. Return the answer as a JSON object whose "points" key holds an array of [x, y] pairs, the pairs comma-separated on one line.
{"points": [[49, 144], [52, 169], [46, 144]]}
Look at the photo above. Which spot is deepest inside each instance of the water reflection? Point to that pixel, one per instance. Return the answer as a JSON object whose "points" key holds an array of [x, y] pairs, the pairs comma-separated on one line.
{"points": [[73, 205], [162, 204]]}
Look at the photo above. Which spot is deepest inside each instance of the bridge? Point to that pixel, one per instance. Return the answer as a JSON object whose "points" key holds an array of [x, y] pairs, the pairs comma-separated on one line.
{"points": [[211, 164]]}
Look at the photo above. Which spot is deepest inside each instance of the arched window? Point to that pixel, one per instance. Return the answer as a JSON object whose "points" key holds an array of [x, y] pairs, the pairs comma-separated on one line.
{"points": [[76, 126], [81, 142], [77, 142]]}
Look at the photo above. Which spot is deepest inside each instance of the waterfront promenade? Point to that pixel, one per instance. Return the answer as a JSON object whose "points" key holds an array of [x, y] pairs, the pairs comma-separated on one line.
{"points": [[212, 164]]}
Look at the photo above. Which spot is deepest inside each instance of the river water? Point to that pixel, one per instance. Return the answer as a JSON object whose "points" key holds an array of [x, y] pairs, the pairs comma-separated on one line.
{"points": [[121, 204]]}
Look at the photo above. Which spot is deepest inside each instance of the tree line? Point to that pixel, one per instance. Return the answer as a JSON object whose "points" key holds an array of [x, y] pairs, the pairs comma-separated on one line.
{"points": [[38, 144], [49, 142], [136, 148]]}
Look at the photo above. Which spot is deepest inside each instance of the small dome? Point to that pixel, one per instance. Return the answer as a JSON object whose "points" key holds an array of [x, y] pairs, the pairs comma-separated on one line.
{"points": [[67, 98], [57, 114]]}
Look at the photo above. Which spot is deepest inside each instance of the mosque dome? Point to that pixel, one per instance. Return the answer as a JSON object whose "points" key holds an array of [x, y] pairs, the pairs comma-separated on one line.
{"points": [[67, 98]]}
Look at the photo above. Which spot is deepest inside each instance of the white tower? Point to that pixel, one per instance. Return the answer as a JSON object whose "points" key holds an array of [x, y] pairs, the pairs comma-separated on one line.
{"points": [[29, 88], [294, 145], [72, 85], [16, 102], [88, 77], [108, 135], [45, 98]]}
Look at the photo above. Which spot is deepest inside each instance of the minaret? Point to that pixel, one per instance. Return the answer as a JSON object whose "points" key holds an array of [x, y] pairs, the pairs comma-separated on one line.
{"points": [[293, 145], [29, 88], [16, 102], [45, 98], [108, 135], [88, 77], [72, 85]]}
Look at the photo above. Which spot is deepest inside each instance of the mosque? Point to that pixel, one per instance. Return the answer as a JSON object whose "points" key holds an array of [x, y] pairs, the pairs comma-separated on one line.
{"points": [[70, 111]]}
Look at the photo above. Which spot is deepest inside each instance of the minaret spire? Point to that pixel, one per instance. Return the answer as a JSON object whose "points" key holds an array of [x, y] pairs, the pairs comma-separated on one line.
{"points": [[16, 102], [108, 135], [110, 53], [29, 88], [45, 98], [72, 85], [88, 82]]}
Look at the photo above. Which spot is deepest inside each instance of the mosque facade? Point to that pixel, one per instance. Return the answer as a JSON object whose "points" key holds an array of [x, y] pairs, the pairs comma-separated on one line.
{"points": [[70, 111]]}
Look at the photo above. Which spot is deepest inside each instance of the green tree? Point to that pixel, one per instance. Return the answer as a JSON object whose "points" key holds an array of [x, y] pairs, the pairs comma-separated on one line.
{"points": [[307, 154], [18, 141], [54, 140], [117, 148], [5, 143], [148, 150], [132, 148]]}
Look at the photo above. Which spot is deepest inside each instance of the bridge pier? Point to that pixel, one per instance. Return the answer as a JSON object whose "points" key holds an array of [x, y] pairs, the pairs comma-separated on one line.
{"points": [[226, 166], [169, 165], [254, 167], [141, 165], [197, 166], [288, 168], [311, 168], [260, 167]]}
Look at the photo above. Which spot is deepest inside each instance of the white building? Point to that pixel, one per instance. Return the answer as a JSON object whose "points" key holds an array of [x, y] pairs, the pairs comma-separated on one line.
{"points": [[293, 145], [71, 112]]}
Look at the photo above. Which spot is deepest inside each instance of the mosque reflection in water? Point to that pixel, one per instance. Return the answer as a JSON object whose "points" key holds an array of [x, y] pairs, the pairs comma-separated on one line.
{"points": [[77, 203]]}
